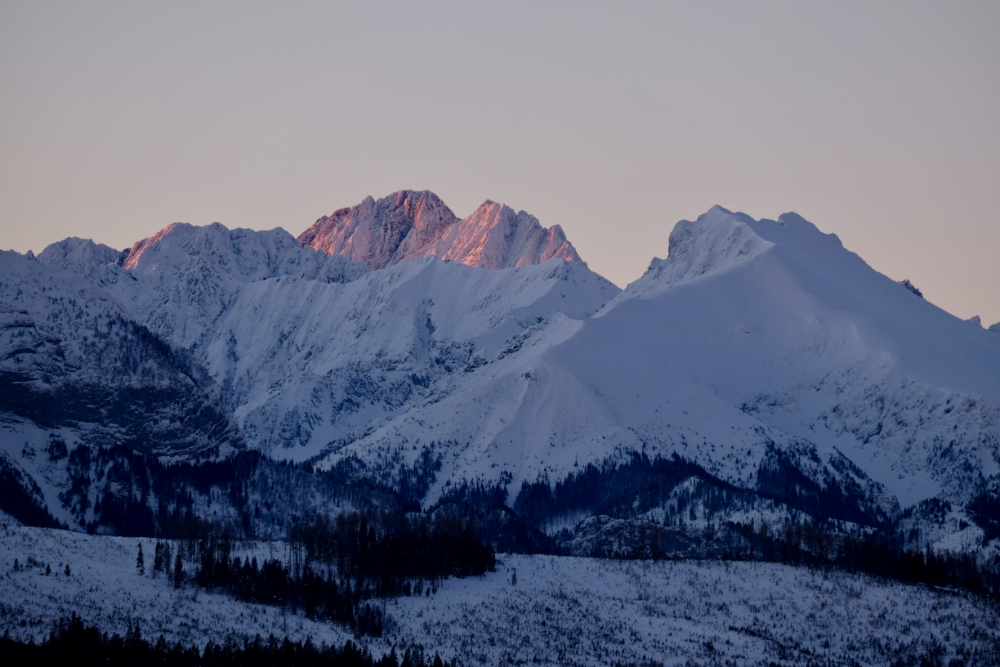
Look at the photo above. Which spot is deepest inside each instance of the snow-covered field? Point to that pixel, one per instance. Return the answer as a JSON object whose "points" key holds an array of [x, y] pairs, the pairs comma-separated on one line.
{"points": [[564, 611], [105, 590], [581, 611]]}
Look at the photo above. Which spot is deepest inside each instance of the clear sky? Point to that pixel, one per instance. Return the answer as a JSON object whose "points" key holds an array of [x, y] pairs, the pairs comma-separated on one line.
{"points": [[878, 121]]}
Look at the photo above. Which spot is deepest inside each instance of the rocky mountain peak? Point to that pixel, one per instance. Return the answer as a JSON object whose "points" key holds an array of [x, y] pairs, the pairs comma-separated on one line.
{"points": [[410, 224], [74, 251], [716, 241]]}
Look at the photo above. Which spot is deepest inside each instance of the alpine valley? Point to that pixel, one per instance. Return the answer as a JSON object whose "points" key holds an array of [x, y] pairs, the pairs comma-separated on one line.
{"points": [[467, 395]]}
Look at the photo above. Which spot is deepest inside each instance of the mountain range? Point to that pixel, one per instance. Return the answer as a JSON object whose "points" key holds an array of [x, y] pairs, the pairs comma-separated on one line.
{"points": [[392, 332]]}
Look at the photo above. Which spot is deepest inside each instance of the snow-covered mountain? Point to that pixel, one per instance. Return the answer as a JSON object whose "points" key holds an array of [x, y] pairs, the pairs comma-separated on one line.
{"points": [[407, 225], [182, 279], [760, 350], [761, 392], [311, 349], [754, 345]]}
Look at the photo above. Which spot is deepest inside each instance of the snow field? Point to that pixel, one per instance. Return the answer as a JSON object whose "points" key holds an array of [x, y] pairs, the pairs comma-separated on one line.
{"points": [[106, 591], [581, 611], [560, 611]]}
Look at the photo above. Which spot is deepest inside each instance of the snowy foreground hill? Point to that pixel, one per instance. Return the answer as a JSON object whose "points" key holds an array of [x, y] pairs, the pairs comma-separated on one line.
{"points": [[560, 611], [760, 393]]}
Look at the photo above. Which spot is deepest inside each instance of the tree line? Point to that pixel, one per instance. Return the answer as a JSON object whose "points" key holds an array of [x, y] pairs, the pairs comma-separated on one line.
{"points": [[880, 554], [74, 642], [335, 568]]}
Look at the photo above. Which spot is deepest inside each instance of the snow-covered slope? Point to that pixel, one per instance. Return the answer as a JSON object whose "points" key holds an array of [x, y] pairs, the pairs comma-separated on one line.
{"points": [[407, 225], [788, 376], [306, 363]]}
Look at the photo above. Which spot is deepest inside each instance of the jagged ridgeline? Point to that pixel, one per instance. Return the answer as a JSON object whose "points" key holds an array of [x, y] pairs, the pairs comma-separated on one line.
{"points": [[759, 379]]}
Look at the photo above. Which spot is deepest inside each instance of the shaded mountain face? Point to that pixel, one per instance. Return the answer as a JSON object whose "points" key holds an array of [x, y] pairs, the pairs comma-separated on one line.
{"points": [[407, 225], [72, 358]]}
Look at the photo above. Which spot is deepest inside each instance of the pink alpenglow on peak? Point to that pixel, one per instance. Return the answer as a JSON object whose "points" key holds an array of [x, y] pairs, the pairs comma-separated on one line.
{"points": [[134, 255], [408, 224]]}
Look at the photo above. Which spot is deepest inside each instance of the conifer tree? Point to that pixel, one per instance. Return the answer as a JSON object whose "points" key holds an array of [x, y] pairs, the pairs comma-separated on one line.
{"points": [[167, 559], [140, 563], [158, 558], [178, 571]]}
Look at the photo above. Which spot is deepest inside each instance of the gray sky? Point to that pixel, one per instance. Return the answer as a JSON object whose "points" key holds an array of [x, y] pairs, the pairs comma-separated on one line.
{"points": [[878, 121]]}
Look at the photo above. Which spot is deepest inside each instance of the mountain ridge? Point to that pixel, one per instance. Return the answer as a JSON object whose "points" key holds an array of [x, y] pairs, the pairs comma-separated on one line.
{"points": [[409, 224], [762, 351]]}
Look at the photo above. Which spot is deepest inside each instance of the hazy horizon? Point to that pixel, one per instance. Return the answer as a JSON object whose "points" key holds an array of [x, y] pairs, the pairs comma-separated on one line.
{"points": [[874, 122]]}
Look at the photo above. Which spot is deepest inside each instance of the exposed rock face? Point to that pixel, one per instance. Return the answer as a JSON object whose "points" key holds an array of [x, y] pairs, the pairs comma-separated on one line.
{"points": [[910, 286], [407, 225]]}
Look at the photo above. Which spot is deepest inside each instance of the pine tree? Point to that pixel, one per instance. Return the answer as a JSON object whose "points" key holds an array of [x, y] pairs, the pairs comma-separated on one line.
{"points": [[167, 559], [67, 569], [158, 559], [178, 571], [140, 563]]}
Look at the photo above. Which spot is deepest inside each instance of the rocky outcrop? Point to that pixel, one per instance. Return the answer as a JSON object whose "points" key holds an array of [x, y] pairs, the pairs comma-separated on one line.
{"points": [[910, 286]]}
